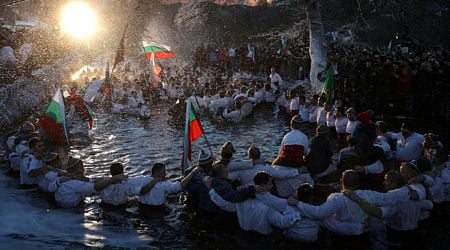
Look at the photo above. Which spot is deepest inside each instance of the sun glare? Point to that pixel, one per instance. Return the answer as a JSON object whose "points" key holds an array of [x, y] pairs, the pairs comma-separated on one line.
{"points": [[78, 20]]}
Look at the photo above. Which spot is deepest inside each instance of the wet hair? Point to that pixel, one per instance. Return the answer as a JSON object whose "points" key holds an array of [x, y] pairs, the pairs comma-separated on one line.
{"points": [[157, 167], [350, 179], [396, 177], [305, 193], [262, 178], [116, 168], [423, 164], [409, 125], [33, 141], [254, 152], [218, 170]]}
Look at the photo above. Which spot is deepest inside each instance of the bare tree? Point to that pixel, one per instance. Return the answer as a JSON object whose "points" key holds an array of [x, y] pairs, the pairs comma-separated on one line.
{"points": [[317, 50]]}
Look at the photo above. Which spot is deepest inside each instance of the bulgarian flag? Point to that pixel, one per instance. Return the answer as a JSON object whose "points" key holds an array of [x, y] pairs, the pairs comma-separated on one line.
{"points": [[54, 119], [160, 51], [192, 131]]}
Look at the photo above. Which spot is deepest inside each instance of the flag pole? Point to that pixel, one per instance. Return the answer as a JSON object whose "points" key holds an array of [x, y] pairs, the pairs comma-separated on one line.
{"points": [[186, 143], [63, 113], [118, 49]]}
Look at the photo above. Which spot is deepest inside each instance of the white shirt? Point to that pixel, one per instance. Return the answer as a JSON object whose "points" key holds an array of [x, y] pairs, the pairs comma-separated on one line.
{"points": [[341, 124], [304, 113], [29, 163], [313, 113], [445, 176], [132, 103], [288, 187], [384, 199], [330, 119], [295, 137], [45, 182], [351, 126], [275, 77], [72, 192], [321, 115], [260, 95], [303, 230], [221, 102], [382, 143], [277, 203], [339, 207], [374, 168], [157, 196], [117, 194], [255, 215], [436, 187], [14, 161], [234, 116], [294, 104], [410, 148], [247, 176], [405, 216]]}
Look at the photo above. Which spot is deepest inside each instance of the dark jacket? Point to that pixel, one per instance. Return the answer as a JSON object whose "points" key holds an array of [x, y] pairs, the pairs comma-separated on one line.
{"points": [[319, 157], [225, 189], [200, 193]]}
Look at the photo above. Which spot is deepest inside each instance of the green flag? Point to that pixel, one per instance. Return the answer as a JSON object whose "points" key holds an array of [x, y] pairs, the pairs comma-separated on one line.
{"points": [[328, 86]]}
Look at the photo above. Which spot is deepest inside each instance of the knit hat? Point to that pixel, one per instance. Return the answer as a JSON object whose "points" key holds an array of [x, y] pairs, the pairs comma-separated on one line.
{"points": [[204, 159], [51, 156], [296, 119], [322, 129], [227, 147]]}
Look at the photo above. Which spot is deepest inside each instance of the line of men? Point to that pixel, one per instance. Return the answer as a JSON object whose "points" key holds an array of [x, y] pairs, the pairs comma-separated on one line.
{"points": [[412, 191]]}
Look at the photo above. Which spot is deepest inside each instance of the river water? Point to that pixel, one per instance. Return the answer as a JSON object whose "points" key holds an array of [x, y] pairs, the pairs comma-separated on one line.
{"points": [[28, 221]]}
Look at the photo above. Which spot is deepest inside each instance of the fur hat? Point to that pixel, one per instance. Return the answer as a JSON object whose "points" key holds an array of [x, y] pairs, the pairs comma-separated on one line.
{"points": [[227, 147], [204, 159], [322, 129]]}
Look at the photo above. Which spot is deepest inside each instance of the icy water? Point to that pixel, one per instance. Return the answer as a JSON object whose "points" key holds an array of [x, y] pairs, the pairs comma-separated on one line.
{"points": [[28, 221]]}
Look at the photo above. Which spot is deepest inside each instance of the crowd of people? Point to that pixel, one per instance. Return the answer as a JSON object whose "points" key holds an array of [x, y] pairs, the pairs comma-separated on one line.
{"points": [[402, 179]]}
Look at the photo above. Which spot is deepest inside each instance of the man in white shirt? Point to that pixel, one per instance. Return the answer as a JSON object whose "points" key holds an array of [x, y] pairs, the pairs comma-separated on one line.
{"points": [[32, 168], [343, 209], [155, 189], [275, 79], [402, 217], [409, 143], [293, 146], [71, 191], [254, 154], [352, 121]]}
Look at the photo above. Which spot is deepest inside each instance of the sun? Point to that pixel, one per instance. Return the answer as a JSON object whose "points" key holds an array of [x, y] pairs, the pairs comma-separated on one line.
{"points": [[78, 20]]}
